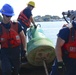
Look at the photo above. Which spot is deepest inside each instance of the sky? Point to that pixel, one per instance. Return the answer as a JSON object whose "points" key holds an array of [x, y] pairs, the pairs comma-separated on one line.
{"points": [[42, 7]]}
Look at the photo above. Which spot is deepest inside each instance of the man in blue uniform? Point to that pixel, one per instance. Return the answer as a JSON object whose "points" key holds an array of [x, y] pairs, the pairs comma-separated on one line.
{"points": [[11, 36], [65, 62], [25, 18]]}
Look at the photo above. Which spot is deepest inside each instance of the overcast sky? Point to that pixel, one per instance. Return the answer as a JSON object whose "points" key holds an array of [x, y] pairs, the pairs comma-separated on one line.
{"points": [[43, 7]]}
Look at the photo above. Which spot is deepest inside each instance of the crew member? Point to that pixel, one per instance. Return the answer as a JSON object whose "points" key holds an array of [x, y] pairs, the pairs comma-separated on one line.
{"points": [[11, 36]]}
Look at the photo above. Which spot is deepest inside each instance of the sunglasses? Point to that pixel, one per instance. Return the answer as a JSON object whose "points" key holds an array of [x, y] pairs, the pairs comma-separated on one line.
{"points": [[32, 6], [8, 16]]}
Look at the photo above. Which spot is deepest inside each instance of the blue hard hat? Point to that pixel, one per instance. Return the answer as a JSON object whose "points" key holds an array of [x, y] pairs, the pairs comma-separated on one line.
{"points": [[7, 10]]}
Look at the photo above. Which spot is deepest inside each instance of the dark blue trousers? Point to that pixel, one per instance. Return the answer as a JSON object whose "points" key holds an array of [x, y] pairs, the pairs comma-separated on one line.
{"points": [[10, 60]]}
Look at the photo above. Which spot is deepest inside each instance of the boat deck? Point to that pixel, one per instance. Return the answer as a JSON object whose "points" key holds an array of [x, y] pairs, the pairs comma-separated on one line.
{"points": [[32, 70], [36, 71]]}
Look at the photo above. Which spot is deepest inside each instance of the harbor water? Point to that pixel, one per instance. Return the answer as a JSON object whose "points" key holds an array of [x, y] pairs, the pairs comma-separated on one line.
{"points": [[51, 29]]}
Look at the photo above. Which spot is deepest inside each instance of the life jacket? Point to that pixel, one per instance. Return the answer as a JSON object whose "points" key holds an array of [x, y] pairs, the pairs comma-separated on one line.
{"points": [[9, 38], [24, 19], [70, 47]]}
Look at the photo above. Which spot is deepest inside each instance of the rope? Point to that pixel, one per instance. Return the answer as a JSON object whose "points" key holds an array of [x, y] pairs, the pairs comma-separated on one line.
{"points": [[45, 68]]}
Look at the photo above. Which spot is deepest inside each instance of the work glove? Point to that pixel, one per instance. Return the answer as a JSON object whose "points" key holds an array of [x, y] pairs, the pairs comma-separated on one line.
{"points": [[35, 26], [23, 53], [61, 68], [23, 56]]}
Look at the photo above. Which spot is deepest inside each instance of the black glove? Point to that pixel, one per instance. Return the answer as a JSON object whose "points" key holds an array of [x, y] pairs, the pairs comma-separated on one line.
{"points": [[61, 68], [35, 26], [23, 56]]}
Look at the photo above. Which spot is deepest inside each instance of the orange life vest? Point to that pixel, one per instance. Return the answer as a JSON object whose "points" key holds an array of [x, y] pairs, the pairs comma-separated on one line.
{"points": [[71, 45], [9, 38], [24, 19]]}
